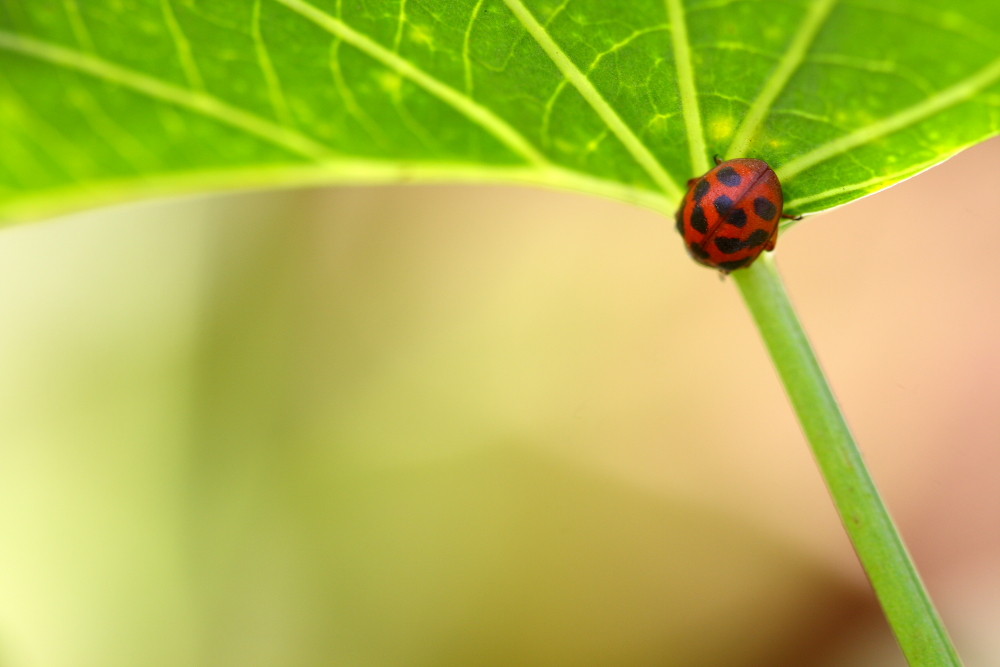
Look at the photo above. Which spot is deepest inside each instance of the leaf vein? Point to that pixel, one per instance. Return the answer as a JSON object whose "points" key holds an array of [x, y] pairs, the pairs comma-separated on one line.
{"points": [[128, 147], [351, 170], [274, 90], [400, 22], [639, 151], [686, 87], [350, 101], [77, 25], [561, 86], [956, 94], [886, 67], [466, 60], [477, 113], [183, 46], [197, 101], [44, 134], [876, 183], [793, 58]]}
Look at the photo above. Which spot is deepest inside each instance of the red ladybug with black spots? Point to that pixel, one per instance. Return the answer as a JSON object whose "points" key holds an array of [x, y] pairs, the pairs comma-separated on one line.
{"points": [[730, 215]]}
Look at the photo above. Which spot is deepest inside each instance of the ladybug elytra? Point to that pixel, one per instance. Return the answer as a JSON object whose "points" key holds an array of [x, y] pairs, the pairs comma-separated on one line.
{"points": [[730, 215]]}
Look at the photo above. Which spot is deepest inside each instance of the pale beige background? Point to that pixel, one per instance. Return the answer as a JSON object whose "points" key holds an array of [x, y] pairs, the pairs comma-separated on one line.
{"points": [[491, 425]]}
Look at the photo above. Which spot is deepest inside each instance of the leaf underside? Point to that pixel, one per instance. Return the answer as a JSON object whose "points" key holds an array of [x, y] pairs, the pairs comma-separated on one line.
{"points": [[104, 100]]}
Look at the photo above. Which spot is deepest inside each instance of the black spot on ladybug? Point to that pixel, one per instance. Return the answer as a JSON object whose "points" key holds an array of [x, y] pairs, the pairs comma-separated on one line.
{"points": [[735, 264], [698, 251], [723, 204], [764, 208], [738, 218], [728, 176], [700, 190], [728, 244], [698, 220], [759, 237]]}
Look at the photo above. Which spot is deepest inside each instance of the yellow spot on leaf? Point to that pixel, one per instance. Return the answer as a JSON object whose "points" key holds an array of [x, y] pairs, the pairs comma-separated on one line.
{"points": [[593, 144], [721, 128], [390, 82], [422, 35]]}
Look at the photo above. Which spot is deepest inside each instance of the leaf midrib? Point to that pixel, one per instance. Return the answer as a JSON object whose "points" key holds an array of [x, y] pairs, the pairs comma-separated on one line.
{"points": [[690, 107], [790, 62], [346, 171]]}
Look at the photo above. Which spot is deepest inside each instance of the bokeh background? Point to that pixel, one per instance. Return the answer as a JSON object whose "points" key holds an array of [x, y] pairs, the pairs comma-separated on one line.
{"points": [[482, 426]]}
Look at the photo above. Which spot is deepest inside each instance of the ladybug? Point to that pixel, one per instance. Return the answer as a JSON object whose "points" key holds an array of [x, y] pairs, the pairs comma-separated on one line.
{"points": [[730, 215]]}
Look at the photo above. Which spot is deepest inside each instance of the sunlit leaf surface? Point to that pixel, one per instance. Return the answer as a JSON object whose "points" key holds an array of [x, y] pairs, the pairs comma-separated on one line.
{"points": [[102, 100]]}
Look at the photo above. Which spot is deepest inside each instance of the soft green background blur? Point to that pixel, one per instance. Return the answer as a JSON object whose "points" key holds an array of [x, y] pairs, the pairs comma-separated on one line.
{"points": [[481, 426]]}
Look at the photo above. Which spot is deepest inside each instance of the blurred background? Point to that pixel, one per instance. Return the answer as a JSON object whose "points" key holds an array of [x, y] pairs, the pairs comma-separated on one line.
{"points": [[482, 426]]}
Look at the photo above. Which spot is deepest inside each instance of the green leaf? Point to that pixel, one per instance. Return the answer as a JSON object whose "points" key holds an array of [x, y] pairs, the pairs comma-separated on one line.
{"points": [[102, 100]]}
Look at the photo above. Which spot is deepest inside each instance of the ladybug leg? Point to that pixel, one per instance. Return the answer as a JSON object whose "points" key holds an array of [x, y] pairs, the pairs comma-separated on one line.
{"points": [[692, 182], [718, 160], [789, 216], [773, 241]]}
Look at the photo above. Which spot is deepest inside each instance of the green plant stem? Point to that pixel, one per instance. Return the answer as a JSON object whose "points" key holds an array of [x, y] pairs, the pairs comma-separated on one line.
{"points": [[905, 601]]}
